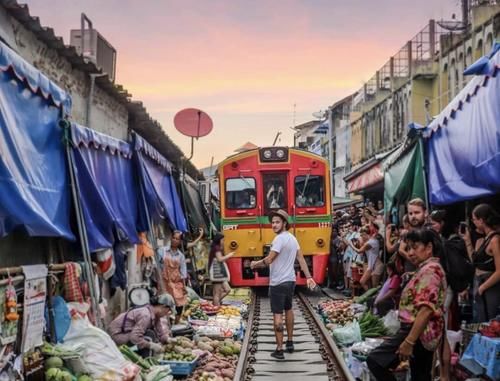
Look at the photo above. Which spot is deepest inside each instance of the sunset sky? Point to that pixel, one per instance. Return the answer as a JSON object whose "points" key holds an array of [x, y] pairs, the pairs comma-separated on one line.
{"points": [[246, 63]]}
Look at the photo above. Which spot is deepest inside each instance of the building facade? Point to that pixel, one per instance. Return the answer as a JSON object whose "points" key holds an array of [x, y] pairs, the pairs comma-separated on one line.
{"points": [[412, 86]]}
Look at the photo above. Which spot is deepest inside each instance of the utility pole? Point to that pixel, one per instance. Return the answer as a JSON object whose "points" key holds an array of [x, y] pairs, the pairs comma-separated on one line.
{"points": [[330, 151]]}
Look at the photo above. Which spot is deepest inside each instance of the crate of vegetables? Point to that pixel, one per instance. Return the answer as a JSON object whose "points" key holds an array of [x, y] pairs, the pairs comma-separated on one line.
{"points": [[180, 365]]}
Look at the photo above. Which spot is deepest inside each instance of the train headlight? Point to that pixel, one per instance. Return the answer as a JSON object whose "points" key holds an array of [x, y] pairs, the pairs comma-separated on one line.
{"points": [[267, 153], [320, 242], [233, 245], [280, 154]]}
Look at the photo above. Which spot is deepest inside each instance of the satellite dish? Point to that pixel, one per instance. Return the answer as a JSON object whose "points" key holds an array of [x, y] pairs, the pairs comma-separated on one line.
{"points": [[193, 123], [452, 26], [319, 114]]}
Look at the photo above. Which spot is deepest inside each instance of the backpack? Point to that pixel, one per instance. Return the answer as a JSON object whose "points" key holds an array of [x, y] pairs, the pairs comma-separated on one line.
{"points": [[457, 264]]}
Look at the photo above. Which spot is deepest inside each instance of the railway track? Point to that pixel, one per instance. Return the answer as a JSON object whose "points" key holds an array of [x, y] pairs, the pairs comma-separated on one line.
{"points": [[316, 355]]}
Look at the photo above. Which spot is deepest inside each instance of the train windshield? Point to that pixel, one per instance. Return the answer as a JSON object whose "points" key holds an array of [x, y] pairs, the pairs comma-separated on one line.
{"points": [[309, 191], [275, 191], [240, 193]]}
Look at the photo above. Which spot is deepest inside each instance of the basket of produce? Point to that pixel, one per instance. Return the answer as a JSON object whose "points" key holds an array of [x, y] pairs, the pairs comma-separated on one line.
{"points": [[180, 364]]}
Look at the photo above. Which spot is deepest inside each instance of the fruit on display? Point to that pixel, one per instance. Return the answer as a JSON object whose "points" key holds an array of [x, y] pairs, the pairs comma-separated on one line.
{"points": [[53, 362], [175, 356], [229, 311], [335, 312], [209, 308], [492, 330], [196, 313]]}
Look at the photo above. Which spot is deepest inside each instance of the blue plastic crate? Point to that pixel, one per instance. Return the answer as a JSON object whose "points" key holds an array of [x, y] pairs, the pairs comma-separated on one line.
{"points": [[180, 368]]}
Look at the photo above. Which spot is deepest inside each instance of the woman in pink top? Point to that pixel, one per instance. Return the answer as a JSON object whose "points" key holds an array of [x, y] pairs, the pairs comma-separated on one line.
{"points": [[420, 312]]}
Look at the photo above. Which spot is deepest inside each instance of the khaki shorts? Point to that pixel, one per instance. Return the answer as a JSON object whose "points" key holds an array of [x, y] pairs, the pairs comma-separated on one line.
{"points": [[379, 268]]}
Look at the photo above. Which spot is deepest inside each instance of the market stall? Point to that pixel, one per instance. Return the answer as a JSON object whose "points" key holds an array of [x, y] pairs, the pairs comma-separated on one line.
{"points": [[357, 330], [210, 349]]}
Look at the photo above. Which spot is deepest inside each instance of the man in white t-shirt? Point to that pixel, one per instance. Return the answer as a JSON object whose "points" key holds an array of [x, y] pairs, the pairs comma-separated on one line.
{"points": [[281, 259]]}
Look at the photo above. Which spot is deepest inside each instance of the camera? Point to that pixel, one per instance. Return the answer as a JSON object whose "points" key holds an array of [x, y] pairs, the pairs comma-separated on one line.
{"points": [[393, 228]]}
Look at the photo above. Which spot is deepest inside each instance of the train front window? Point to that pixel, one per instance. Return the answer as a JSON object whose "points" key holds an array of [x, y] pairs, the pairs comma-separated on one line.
{"points": [[275, 191], [240, 193], [309, 191]]}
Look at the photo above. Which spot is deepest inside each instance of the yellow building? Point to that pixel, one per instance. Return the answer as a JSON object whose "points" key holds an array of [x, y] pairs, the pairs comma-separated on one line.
{"points": [[412, 86]]}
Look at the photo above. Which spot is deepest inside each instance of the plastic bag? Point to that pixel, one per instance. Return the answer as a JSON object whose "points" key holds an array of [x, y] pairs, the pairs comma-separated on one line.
{"points": [[454, 337], [391, 322], [100, 357], [159, 371], [348, 334]]}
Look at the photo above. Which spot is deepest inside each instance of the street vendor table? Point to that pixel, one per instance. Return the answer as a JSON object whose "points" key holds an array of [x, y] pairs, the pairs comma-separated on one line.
{"points": [[485, 351]]}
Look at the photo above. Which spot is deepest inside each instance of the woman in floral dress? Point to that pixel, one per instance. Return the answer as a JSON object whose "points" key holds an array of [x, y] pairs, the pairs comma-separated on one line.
{"points": [[420, 313]]}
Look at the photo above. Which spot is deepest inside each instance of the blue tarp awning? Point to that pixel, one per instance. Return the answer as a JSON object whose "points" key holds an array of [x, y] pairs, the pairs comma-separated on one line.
{"points": [[463, 141], [108, 192], [37, 82], [159, 187], [34, 191]]}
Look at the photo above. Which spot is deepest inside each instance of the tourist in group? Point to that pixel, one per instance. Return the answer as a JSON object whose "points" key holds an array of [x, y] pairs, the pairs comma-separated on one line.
{"points": [[420, 313], [219, 272], [142, 326], [350, 234], [281, 259], [417, 216], [369, 250], [334, 261], [486, 259]]}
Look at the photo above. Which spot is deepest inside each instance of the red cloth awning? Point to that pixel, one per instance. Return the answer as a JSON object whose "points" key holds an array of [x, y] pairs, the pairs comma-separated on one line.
{"points": [[366, 178]]}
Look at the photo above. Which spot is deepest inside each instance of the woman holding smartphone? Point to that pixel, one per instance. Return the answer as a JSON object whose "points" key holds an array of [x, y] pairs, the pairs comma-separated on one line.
{"points": [[486, 259]]}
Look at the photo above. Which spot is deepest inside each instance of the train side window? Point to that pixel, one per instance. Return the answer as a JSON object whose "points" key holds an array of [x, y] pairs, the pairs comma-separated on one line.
{"points": [[309, 191], [240, 193]]}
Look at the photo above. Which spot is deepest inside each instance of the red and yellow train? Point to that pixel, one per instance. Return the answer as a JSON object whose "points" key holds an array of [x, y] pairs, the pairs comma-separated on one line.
{"points": [[254, 183]]}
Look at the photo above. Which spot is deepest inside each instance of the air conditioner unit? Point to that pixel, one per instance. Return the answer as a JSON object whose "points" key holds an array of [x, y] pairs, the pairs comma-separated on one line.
{"points": [[204, 189], [97, 49]]}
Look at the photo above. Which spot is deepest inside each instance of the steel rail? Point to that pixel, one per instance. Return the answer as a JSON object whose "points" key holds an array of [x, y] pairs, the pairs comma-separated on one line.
{"points": [[330, 345], [241, 368]]}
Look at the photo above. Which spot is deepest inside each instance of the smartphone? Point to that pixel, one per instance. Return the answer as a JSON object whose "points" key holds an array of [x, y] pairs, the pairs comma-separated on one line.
{"points": [[463, 227], [393, 228]]}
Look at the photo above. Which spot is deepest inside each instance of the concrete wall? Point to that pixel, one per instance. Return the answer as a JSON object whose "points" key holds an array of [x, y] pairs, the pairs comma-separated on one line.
{"points": [[107, 114]]}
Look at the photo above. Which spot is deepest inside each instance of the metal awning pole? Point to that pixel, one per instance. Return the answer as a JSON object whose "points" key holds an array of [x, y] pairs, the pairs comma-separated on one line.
{"points": [[82, 230], [424, 169], [151, 236]]}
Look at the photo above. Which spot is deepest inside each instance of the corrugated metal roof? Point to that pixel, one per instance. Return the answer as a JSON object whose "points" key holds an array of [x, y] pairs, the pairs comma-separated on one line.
{"points": [[142, 122]]}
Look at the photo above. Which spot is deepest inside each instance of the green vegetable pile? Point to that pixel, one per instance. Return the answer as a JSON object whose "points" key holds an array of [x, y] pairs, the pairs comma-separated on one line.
{"points": [[145, 364], [367, 295], [371, 325]]}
